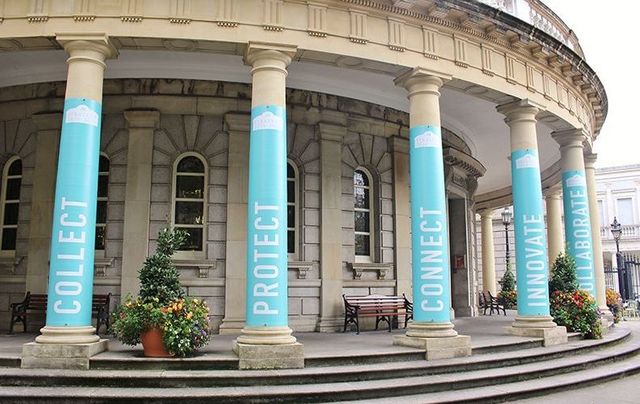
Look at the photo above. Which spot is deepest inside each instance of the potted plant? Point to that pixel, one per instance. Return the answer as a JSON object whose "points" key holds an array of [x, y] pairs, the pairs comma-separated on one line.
{"points": [[161, 317], [508, 295]]}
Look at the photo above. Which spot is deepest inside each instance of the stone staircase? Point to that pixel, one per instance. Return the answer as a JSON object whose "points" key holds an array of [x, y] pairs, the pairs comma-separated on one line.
{"points": [[484, 377]]}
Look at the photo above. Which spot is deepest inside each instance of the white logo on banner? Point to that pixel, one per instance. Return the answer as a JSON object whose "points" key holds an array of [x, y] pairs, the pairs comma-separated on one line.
{"points": [[576, 181], [81, 114], [267, 120], [527, 161], [427, 139]]}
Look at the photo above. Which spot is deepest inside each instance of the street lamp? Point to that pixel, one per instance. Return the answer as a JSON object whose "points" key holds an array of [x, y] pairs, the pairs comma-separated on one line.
{"points": [[616, 231], [506, 220]]}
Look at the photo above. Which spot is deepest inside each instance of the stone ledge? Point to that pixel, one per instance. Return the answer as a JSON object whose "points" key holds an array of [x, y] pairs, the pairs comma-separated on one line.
{"points": [[255, 357], [438, 348], [60, 356], [551, 336]]}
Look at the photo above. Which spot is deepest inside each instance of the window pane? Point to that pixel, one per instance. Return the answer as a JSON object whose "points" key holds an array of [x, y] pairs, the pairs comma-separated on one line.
{"points": [[103, 186], [625, 211], [101, 212], [291, 173], [190, 164], [291, 216], [360, 178], [189, 212], [291, 242], [361, 197], [103, 165], [10, 213], [13, 189], [194, 240], [189, 187], [362, 244], [291, 192], [362, 221], [15, 168], [9, 239], [100, 237]]}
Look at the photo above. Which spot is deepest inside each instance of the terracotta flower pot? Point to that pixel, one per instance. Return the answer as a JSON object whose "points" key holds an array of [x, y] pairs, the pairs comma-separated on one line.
{"points": [[153, 345]]}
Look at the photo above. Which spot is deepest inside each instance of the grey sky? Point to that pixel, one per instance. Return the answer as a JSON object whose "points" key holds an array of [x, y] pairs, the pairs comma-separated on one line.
{"points": [[607, 34]]}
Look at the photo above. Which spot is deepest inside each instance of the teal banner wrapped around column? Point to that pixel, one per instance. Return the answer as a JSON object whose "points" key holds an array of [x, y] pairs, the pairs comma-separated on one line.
{"points": [[74, 215], [267, 219], [429, 248], [577, 224], [531, 238]]}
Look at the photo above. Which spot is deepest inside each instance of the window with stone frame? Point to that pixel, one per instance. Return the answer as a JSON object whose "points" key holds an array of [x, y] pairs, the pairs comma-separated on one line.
{"points": [[189, 199], [103, 196], [10, 205], [363, 215], [292, 210]]}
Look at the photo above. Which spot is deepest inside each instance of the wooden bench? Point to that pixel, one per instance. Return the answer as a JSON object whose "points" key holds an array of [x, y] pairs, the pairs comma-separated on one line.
{"points": [[383, 308], [37, 303]]}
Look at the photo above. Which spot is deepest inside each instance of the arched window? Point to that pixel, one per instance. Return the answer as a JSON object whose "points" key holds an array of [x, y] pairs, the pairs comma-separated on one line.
{"points": [[292, 209], [101, 209], [10, 203], [363, 215], [189, 183]]}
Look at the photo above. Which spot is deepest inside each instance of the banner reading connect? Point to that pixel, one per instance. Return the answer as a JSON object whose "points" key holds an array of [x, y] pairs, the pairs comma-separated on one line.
{"points": [[74, 215], [267, 219], [430, 256], [530, 235], [577, 223]]}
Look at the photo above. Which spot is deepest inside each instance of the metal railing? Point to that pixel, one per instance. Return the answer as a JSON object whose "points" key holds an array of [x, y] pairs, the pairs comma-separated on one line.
{"points": [[629, 232], [540, 16]]}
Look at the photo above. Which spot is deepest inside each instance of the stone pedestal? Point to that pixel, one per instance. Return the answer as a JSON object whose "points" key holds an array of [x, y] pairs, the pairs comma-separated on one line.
{"points": [[437, 347], [539, 327], [60, 356], [253, 356]]}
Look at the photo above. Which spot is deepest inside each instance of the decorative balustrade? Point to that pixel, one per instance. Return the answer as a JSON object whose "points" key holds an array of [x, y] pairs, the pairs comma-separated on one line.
{"points": [[629, 232], [540, 16]]}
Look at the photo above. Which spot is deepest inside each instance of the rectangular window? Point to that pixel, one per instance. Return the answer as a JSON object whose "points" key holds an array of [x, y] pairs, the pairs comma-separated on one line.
{"points": [[625, 211]]}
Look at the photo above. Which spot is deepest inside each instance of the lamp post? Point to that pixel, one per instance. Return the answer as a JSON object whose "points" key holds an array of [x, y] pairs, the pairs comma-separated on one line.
{"points": [[506, 220], [616, 231]]}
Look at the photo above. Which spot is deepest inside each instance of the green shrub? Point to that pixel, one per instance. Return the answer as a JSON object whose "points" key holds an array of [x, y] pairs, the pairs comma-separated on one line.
{"points": [[563, 275]]}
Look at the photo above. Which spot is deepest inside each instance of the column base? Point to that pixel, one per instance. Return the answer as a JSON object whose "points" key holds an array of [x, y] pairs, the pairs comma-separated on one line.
{"points": [[67, 335], [283, 356], [539, 327], [607, 314], [231, 326], [62, 348], [439, 341], [266, 336], [330, 324], [605, 325]]}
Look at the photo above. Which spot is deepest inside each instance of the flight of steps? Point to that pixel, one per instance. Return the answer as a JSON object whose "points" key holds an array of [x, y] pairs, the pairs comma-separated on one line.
{"points": [[483, 377]]}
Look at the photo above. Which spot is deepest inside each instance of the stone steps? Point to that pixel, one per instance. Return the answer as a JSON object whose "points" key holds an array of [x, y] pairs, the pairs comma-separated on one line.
{"points": [[485, 377]]}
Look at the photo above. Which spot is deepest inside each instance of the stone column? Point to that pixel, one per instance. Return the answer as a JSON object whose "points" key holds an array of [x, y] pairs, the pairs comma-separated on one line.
{"points": [[577, 220], [553, 200], [236, 242], [135, 240], [68, 339], [266, 340], [331, 224], [44, 180], [488, 252], [431, 328], [401, 215], [532, 261], [598, 259]]}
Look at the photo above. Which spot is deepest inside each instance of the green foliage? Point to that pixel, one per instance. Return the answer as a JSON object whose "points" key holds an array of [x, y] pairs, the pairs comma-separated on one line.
{"points": [[577, 311], [563, 276], [614, 302], [508, 281], [162, 303], [509, 298]]}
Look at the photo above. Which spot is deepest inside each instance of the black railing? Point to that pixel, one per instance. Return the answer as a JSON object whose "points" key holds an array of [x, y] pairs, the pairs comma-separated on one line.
{"points": [[625, 278]]}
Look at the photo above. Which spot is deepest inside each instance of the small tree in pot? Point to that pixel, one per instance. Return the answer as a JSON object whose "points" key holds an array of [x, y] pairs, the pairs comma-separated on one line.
{"points": [[162, 308]]}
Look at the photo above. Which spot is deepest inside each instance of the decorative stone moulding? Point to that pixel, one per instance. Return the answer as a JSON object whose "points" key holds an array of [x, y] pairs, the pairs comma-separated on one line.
{"points": [[131, 18], [381, 269], [177, 20], [302, 267], [203, 266], [101, 265], [83, 18], [37, 18], [10, 264]]}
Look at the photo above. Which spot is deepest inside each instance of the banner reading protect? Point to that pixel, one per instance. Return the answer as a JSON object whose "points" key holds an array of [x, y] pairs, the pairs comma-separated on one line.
{"points": [[267, 219], [430, 253], [74, 215], [577, 223], [531, 238]]}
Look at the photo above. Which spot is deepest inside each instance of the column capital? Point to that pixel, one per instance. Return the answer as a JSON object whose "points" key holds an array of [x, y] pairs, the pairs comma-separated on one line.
{"points": [[94, 47], [486, 213], [570, 137], [331, 132], [420, 79], [554, 192], [590, 161], [520, 110], [47, 121], [272, 56], [149, 118]]}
